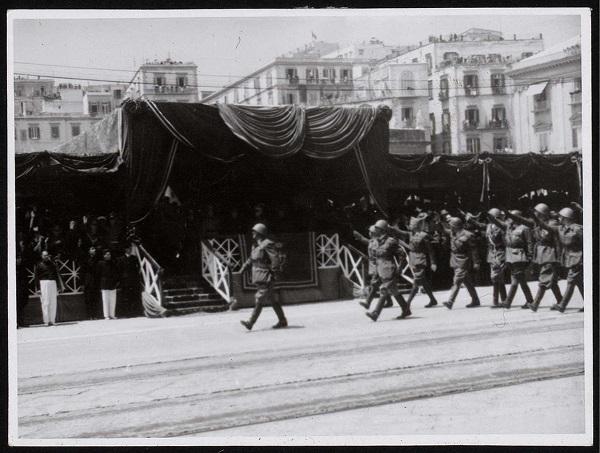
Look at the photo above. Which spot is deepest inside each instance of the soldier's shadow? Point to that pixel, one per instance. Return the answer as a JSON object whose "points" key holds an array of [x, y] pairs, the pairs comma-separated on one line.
{"points": [[270, 329]]}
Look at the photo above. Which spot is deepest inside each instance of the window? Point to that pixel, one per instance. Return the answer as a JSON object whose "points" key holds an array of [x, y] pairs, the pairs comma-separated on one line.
{"points": [[543, 140], [444, 91], [33, 132], [432, 123], [19, 93], [446, 121], [290, 98], [577, 84], [450, 56], [106, 107], [75, 130], [406, 80], [473, 145], [312, 75], [225, 100], [256, 83], [471, 117], [94, 108], [471, 84], [117, 94], [54, 131], [575, 137], [270, 97], [406, 115], [429, 63], [160, 80], [23, 134], [181, 81], [498, 117], [498, 84], [345, 75], [430, 89], [500, 144], [291, 74]]}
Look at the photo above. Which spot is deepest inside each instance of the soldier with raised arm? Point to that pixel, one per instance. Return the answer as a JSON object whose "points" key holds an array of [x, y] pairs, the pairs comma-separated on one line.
{"points": [[545, 255], [264, 261], [374, 281], [420, 256], [570, 236], [463, 258], [387, 248], [496, 255]]}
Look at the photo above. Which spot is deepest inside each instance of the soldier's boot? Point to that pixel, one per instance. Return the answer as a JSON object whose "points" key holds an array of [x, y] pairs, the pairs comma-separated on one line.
{"points": [[556, 291], [370, 296], [429, 292], [253, 317], [526, 292], [475, 302], [452, 298], [403, 305], [495, 294], [566, 297], [499, 295], [538, 298], [511, 294], [378, 307], [413, 292], [282, 322]]}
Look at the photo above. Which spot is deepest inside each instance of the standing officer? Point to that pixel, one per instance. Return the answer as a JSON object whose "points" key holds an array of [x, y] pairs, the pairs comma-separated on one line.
{"points": [[47, 276], [463, 257], [420, 251], [264, 260], [570, 236], [519, 253], [387, 248], [496, 255], [91, 288], [374, 281], [545, 255]]}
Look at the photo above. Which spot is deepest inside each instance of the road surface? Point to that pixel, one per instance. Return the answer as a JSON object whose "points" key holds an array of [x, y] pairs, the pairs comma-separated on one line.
{"points": [[332, 372]]}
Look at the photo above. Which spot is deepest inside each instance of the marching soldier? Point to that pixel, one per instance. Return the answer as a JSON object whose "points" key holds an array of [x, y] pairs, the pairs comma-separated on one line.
{"points": [[463, 257], [374, 281], [546, 254], [264, 261], [387, 248], [420, 251], [496, 255], [519, 253], [570, 236]]}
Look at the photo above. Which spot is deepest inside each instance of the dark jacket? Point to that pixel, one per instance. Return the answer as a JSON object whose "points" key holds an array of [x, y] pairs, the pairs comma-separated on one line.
{"points": [[385, 251], [108, 274], [264, 260], [45, 270], [519, 245], [463, 250]]}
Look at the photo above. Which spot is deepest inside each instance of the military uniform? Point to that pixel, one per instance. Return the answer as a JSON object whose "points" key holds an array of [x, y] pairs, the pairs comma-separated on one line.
{"points": [[385, 250], [546, 256], [571, 242], [463, 255], [519, 252], [264, 260]]}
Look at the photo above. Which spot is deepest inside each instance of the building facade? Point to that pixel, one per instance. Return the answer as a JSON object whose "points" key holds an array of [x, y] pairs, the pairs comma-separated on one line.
{"points": [[103, 99], [469, 100], [165, 81], [546, 100]]}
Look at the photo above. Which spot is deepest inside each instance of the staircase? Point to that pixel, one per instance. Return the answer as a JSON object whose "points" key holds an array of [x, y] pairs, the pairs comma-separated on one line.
{"points": [[186, 294]]}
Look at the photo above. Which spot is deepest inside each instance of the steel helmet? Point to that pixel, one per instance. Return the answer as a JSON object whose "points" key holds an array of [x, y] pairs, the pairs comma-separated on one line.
{"points": [[494, 212], [542, 208], [456, 222], [372, 229], [567, 213], [516, 212], [381, 224], [260, 228]]}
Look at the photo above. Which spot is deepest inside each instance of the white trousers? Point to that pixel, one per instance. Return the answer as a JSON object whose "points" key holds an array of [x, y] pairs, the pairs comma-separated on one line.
{"points": [[48, 294], [109, 302]]}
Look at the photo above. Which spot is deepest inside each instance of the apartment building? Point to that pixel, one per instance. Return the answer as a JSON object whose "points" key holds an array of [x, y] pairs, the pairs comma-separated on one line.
{"points": [[165, 81]]}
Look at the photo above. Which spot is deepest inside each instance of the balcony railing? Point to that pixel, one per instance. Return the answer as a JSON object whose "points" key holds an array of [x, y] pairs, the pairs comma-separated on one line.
{"points": [[471, 91], [498, 124], [469, 125], [499, 90], [443, 95], [408, 123], [293, 80], [541, 106]]}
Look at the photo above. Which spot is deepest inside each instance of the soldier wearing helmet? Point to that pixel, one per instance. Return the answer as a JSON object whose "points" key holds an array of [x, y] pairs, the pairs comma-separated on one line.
{"points": [[545, 254], [570, 237], [420, 256], [463, 257], [264, 260], [519, 253], [496, 255], [385, 251], [374, 280]]}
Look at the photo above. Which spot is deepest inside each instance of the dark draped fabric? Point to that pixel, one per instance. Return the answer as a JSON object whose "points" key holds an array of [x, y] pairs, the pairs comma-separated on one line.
{"points": [[212, 156], [53, 164]]}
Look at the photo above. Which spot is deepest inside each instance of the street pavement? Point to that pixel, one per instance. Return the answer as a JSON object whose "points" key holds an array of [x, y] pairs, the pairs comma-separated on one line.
{"points": [[332, 372]]}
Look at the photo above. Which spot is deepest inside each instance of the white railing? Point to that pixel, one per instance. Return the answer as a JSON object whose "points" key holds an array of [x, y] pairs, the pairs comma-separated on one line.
{"points": [[352, 264], [327, 248], [69, 273], [151, 273], [215, 271], [229, 249]]}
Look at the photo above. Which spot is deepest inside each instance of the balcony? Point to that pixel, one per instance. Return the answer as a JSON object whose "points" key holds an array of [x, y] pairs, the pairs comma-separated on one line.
{"points": [[576, 97], [498, 124], [408, 123], [471, 91], [541, 106], [443, 95], [293, 80], [498, 90], [469, 125]]}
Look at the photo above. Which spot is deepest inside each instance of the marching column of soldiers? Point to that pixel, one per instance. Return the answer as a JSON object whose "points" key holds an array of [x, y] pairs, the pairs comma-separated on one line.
{"points": [[548, 240]]}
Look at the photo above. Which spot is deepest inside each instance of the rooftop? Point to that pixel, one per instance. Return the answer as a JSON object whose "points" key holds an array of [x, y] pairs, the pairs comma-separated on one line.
{"points": [[564, 49]]}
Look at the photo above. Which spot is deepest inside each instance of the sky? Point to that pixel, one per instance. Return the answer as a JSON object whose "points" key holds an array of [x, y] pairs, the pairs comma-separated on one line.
{"points": [[227, 48]]}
